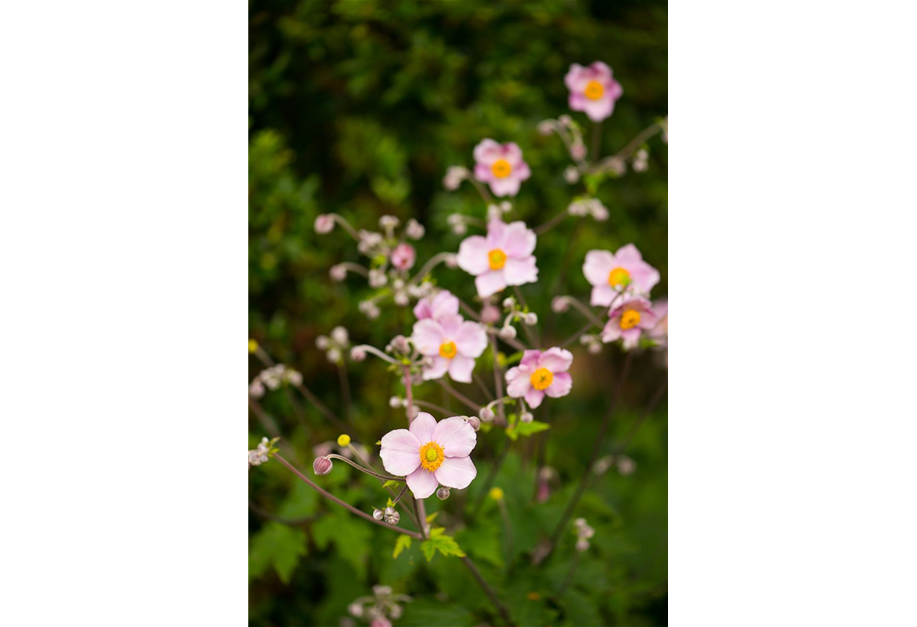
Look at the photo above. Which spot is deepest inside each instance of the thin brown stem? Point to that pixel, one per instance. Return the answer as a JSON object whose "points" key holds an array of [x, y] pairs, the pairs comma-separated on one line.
{"points": [[550, 224], [491, 594], [569, 578], [480, 383], [292, 522], [498, 378], [577, 335], [428, 405], [464, 400], [330, 415], [343, 504]]}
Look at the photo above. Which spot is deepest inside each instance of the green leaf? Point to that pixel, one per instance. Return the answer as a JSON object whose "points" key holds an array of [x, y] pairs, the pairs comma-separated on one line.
{"points": [[351, 538], [432, 517], [526, 429], [442, 543], [403, 542], [279, 546], [391, 484]]}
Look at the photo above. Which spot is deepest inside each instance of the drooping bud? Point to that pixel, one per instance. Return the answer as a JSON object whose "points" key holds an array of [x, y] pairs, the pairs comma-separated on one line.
{"points": [[442, 493], [358, 353], [508, 332], [395, 402], [378, 514], [321, 466], [474, 421], [530, 319], [526, 417], [560, 304], [414, 229], [338, 272], [324, 223], [486, 414]]}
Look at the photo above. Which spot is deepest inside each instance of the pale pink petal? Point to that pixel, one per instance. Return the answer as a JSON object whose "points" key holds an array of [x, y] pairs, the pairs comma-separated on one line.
{"points": [[577, 101], [598, 110], [456, 436], [614, 90], [470, 339], [423, 309], [512, 153], [487, 151], [520, 271], [598, 265], [451, 324], [601, 70], [444, 303], [602, 295], [530, 359], [560, 386], [534, 397], [628, 254], [427, 336], [490, 282], [556, 360], [400, 452], [522, 171], [644, 276], [508, 186], [496, 234], [648, 319], [436, 369], [472, 255], [572, 80], [422, 427], [456, 472], [519, 240], [612, 330], [460, 368], [631, 337], [518, 381], [422, 482]]}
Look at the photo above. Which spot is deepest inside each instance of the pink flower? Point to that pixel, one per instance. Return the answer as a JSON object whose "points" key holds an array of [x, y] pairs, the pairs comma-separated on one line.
{"points": [[629, 320], [403, 256], [449, 344], [539, 374], [660, 332], [431, 454], [624, 271], [502, 258], [500, 166], [442, 304], [593, 90]]}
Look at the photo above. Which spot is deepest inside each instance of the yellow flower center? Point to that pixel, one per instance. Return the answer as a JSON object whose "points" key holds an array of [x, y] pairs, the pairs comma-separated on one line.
{"points": [[630, 319], [431, 456], [542, 378], [618, 277], [497, 259], [594, 90], [447, 350], [501, 168]]}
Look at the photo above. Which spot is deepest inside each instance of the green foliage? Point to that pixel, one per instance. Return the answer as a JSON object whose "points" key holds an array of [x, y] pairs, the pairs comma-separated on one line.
{"points": [[442, 543], [277, 546], [349, 535], [403, 542], [526, 429]]}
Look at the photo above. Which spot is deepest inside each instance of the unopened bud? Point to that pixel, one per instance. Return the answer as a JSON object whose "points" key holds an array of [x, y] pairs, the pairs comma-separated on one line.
{"points": [[474, 421], [395, 402], [530, 319], [414, 229], [508, 332], [338, 273], [322, 343], [560, 304], [378, 514], [321, 466], [442, 493], [412, 412], [324, 223], [451, 261], [357, 353], [486, 414], [526, 417], [582, 545], [393, 519], [509, 302]]}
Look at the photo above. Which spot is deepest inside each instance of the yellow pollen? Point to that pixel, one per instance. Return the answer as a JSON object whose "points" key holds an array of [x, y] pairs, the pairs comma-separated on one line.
{"points": [[594, 90], [447, 350], [618, 277], [542, 378], [630, 319], [497, 259], [501, 167], [431, 456]]}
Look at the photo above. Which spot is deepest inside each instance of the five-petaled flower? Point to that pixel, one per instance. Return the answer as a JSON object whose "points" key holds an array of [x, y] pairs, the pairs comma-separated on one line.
{"points": [[500, 166], [502, 258], [442, 304], [593, 90], [540, 373], [449, 344], [629, 320], [430, 454], [625, 271]]}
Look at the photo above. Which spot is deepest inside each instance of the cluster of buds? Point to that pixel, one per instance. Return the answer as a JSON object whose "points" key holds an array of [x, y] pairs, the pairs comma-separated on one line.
{"points": [[641, 160], [379, 609], [583, 533], [335, 345], [496, 211], [625, 465], [593, 343], [454, 177], [262, 453], [582, 207], [389, 515], [515, 314], [458, 223], [571, 134], [400, 346], [272, 378]]}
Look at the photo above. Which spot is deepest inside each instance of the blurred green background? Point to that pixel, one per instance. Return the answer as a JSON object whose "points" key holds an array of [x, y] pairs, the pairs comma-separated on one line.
{"points": [[359, 107]]}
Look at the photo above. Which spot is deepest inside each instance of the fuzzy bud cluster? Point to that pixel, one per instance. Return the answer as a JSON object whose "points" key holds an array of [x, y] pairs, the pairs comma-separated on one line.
{"points": [[272, 378], [334, 345], [582, 207], [260, 454], [583, 533]]}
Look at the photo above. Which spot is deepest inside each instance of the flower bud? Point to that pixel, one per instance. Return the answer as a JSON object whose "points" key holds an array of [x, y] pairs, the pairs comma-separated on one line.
{"points": [[508, 332], [334, 355], [486, 414], [377, 278], [355, 609], [340, 335], [401, 298], [324, 223], [322, 343], [509, 302], [545, 127], [357, 353], [395, 402], [321, 466], [626, 466], [582, 545], [412, 412], [489, 314], [403, 256], [400, 344], [571, 175], [578, 151], [454, 177], [451, 261], [388, 222], [442, 493], [414, 229], [530, 318], [378, 514], [526, 417], [338, 273], [506, 206], [560, 304], [393, 519], [595, 348], [474, 421], [493, 212]]}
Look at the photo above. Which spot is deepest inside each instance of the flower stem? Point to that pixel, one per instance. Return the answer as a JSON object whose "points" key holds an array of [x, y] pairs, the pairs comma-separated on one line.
{"points": [[344, 504], [569, 578], [367, 471], [498, 378], [464, 400], [488, 590], [550, 224]]}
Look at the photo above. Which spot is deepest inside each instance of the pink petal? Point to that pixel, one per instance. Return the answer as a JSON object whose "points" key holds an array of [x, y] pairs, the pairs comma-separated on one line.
{"points": [[598, 265], [612, 330], [648, 319], [512, 153], [520, 271], [530, 358], [534, 397], [472, 255], [628, 254], [519, 241], [422, 482], [572, 79], [598, 110], [600, 70], [471, 339], [631, 337], [644, 276], [400, 452], [456, 436], [436, 370], [460, 368], [518, 381], [423, 310], [522, 171], [496, 234], [602, 295], [422, 427], [490, 282], [444, 303], [560, 386], [487, 151], [505, 187], [427, 336], [451, 323], [456, 472], [556, 360]]}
